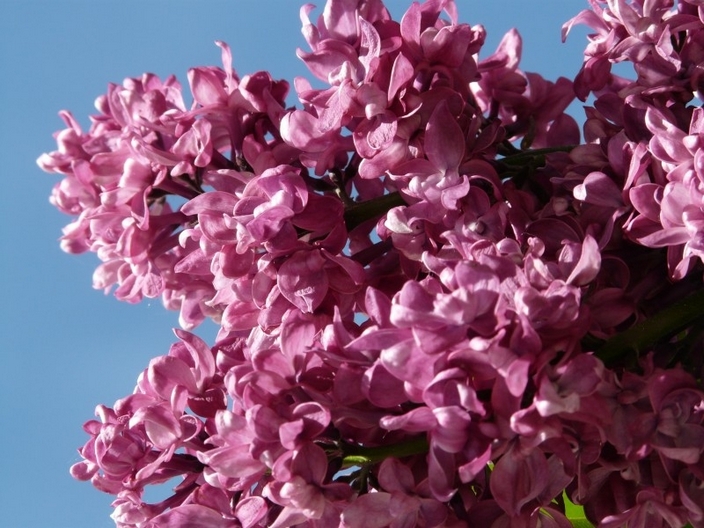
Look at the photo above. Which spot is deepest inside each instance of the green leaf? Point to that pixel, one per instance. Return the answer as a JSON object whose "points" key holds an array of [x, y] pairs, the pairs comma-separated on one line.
{"points": [[363, 211], [575, 514], [581, 523], [645, 334], [357, 455]]}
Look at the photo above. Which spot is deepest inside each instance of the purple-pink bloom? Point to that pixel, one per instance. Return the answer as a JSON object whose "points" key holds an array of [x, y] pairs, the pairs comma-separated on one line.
{"points": [[420, 281]]}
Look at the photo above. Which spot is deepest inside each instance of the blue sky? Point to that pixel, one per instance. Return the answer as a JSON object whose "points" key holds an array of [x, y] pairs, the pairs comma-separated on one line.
{"points": [[65, 347]]}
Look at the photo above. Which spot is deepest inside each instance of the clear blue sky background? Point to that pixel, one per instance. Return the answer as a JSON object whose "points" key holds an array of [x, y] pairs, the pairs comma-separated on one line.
{"points": [[65, 347]]}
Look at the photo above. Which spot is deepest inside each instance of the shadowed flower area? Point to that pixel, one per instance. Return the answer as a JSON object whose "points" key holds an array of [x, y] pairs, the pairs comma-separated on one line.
{"points": [[439, 305]]}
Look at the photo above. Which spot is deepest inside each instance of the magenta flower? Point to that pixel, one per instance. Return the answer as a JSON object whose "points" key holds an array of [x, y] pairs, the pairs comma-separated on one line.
{"points": [[437, 305], [437, 180], [300, 489], [641, 33], [670, 214], [402, 503]]}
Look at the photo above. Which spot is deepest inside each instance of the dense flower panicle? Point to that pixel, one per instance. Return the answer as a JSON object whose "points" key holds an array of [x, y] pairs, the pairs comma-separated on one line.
{"points": [[658, 169], [144, 148], [525, 103], [662, 41], [386, 78], [437, 305], [669, 213]]}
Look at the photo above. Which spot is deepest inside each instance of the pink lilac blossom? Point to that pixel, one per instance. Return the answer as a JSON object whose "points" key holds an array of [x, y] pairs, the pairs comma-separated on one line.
{"points": [[417, 275]]}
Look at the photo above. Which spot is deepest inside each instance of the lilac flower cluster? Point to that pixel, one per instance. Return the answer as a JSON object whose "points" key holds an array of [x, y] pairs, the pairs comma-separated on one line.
{"points": [[438, 306]]}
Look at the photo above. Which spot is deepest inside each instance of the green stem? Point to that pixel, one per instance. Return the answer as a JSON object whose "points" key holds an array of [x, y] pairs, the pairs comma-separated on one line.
{"points": [[354, 455], [645, 334], [363, 211], [175, 187], [521, 156]]}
